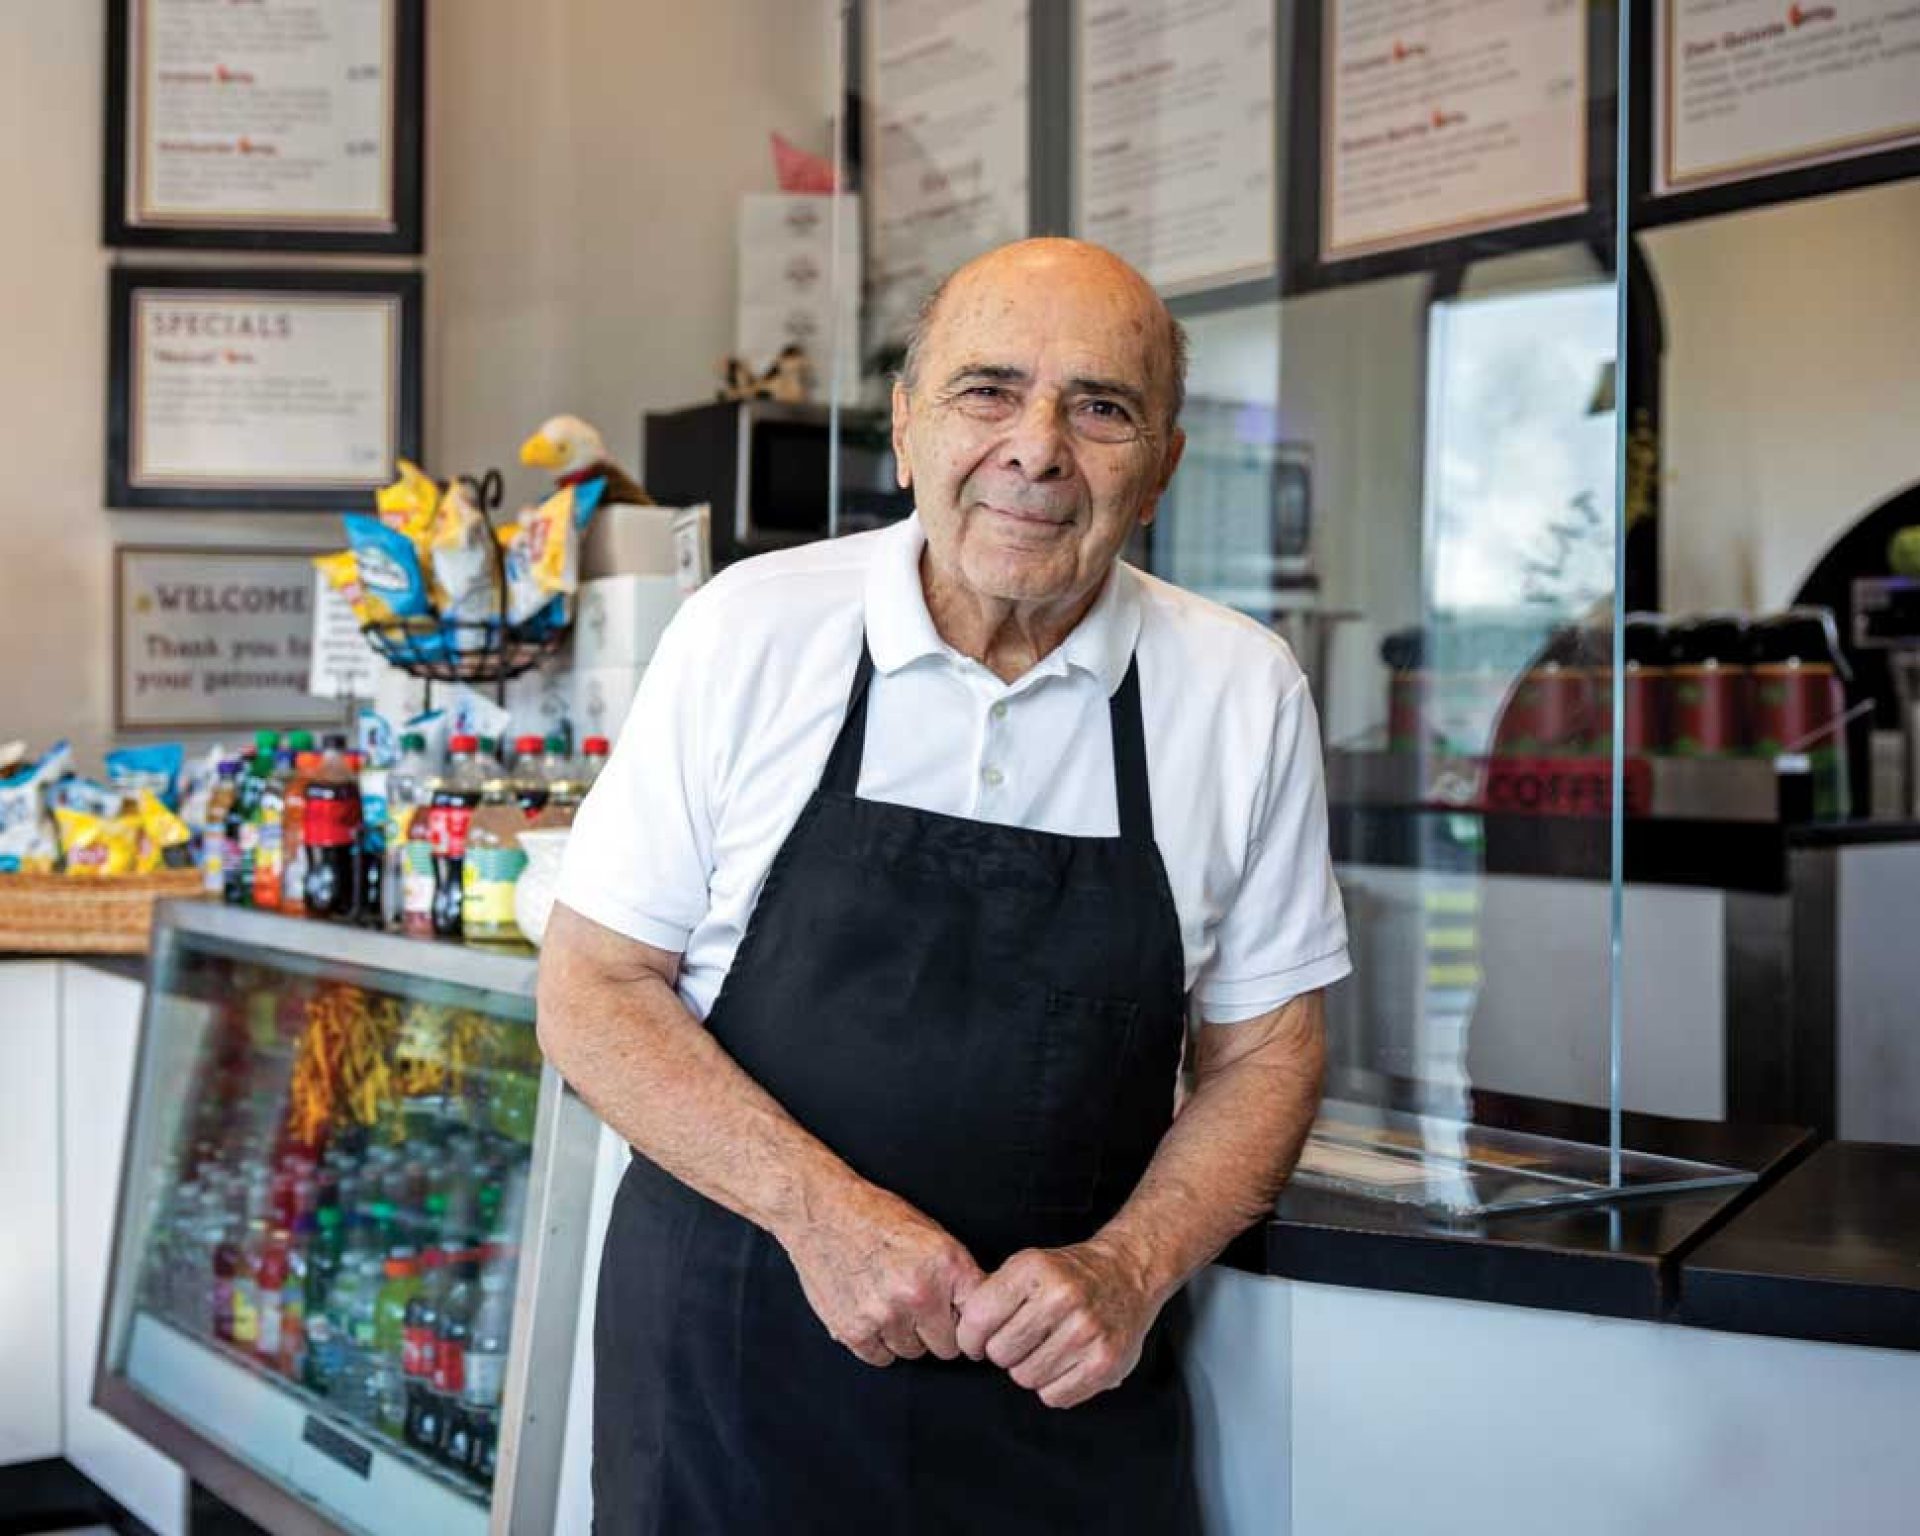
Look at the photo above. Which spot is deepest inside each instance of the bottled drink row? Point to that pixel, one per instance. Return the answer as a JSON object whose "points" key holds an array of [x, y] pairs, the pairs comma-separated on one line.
{"points": [[427, 846], [379, 1277]]}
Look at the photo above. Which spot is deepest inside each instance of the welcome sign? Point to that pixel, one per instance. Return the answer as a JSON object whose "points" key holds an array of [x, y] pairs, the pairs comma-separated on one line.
{"points": [[212, 639]]}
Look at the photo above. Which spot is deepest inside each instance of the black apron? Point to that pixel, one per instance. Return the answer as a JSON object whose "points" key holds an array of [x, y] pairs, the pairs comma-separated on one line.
{"points": [[986, 1021]]}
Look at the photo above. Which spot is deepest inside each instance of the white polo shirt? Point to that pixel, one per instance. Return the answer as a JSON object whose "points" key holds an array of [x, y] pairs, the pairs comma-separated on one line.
{"points": [[741, 703]]}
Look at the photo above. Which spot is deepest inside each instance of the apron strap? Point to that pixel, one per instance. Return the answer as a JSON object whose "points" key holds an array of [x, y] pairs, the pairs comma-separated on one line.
{"points": [[1131, 793], [842, 773]]}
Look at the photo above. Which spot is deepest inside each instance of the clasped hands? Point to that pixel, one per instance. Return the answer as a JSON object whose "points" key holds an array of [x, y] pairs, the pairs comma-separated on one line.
{"points": [[890, 1284]]}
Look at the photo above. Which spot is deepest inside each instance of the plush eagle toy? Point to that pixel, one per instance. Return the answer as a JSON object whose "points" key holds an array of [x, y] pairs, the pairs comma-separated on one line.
{"points": [[573, 452]]}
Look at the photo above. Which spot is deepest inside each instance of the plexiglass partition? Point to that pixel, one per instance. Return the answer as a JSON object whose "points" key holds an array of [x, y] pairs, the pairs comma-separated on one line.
{"points": [[1417, 451]]}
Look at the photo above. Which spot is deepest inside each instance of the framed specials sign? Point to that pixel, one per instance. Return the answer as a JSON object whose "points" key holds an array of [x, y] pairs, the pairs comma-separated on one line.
{"points": [[260, 391], [214, 639], [1741, 103], [295, 125], [1434, 134]]}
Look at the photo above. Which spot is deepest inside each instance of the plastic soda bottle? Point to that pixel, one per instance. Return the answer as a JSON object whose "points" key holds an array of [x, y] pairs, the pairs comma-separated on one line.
{"points": [[448, 819], [293, 833], [493, 862], [407, 788], [332, 828], [215, 851], [270, 1281], [243, 821], [594, 752], [246, 1286]]}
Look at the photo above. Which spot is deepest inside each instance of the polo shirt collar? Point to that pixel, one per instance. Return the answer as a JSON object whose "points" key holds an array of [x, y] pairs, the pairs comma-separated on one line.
{"points": [[900, 630]]}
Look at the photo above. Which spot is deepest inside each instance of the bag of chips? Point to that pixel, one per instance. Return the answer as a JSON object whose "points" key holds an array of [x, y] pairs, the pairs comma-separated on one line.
{"points": [[409, 504], [29, 840], [463, 560], [163, 840], [97, 847], [392, 583]]}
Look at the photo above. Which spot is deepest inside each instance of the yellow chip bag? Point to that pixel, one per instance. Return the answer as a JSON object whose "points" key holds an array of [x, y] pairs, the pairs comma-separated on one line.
{"points": [[342, 571], [97, 846], [409, 503], [160, 832]]}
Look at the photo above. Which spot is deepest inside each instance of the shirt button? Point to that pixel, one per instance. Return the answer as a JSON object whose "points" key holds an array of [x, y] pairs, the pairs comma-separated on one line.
{"points": [[993, 776], [999, 711]]}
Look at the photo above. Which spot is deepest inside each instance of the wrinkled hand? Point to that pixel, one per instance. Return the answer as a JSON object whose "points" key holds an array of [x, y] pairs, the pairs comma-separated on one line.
{"points": [[1067, 1323], [885, 1280]]}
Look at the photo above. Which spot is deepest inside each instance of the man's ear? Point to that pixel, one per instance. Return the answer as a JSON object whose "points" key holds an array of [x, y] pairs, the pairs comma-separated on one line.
{"points": [[903, 466], [1176, 446]]}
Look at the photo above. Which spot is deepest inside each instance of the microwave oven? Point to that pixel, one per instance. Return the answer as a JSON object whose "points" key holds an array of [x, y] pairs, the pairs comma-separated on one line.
{"points": [[762, 468]]}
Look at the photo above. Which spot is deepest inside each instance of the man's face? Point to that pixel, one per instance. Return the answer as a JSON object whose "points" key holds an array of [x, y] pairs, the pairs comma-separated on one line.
{"points": [[1036, 438]]}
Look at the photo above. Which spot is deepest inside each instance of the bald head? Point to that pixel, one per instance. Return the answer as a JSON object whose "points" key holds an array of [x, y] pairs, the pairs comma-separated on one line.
{"points": [[1083, 269]]}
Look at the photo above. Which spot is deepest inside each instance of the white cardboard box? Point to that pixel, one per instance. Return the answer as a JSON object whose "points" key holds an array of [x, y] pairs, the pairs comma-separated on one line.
{"points": [[602, 698], [618, 620]]}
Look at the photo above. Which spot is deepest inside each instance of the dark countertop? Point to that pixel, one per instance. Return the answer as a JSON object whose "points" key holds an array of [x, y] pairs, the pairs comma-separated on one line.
{"points": [[1831, 1251], [1618, 1260]]}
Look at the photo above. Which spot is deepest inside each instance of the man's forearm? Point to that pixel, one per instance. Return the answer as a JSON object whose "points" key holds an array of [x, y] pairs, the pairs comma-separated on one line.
{"points": [[1222, 1163], [650, 1070]]}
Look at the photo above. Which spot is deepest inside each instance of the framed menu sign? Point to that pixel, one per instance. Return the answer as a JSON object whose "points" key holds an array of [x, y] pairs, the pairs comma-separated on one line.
{"points": [[1432, 134], [212, 639], [294, 125], [1745, 102], [260, 391]]}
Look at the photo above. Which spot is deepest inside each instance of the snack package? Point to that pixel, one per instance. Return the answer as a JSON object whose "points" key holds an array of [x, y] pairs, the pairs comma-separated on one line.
{"points": [[97, 846], [163, 840], [157, 768], [342, 571], [542, 549], [409, 504], [29, 839], [89, 797], [374, 736], [463, 560], [196, 786], [474, 714], [392, 583]]}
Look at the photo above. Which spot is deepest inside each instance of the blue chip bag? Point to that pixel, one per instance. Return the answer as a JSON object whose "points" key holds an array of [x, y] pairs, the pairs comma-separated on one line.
{"points": [[157, 768], [391, 580]]}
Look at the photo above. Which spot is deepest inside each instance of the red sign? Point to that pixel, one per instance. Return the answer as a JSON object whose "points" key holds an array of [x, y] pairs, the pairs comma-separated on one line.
{"points": [[1562, 786]]}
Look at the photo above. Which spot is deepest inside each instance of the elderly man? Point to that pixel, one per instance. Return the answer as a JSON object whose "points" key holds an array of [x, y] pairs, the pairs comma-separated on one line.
{"points": [[877, 939]]}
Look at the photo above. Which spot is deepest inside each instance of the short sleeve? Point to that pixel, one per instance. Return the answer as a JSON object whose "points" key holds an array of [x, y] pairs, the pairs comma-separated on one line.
{"points": [[1285, 932], [641, 853]]}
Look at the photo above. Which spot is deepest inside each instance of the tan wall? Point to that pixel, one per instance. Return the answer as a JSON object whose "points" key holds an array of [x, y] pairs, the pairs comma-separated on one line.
{"points": [[1792, 387], [584, 158]]}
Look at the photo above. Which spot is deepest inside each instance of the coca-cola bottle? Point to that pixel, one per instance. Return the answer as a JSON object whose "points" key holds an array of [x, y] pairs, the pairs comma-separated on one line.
{"points": [[332, 834], [449, 814]]}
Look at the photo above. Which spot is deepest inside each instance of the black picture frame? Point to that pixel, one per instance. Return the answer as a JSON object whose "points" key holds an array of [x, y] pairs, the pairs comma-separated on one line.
{"points": [[1649, 209], [1302, 268], [125, 283], [408, 128], [324, 713]]}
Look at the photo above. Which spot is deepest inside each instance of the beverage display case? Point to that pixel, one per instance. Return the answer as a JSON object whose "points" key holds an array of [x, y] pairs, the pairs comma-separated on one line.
{"points": [[346, 1268]]}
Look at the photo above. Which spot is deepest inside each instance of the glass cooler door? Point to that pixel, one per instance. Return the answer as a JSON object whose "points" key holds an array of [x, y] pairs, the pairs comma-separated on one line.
{"points": [[325, 1291]]}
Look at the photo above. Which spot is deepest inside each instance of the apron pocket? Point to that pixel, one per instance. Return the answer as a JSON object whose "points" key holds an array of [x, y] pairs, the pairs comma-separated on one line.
{"points": [[1083, 1046]]}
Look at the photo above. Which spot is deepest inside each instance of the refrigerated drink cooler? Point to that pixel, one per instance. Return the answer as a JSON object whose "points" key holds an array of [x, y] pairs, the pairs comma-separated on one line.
{"points": [[346, 1268]]}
